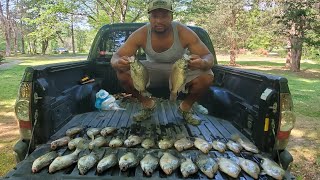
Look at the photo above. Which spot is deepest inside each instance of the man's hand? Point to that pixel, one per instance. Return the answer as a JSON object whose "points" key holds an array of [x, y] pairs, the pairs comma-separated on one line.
{"points": [[196, 62], [123, 63]]}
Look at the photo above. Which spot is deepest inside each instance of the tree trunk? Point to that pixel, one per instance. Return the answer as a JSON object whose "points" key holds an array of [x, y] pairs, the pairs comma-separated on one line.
{"points": [[22, 45], [72, 36], [15, 41], [233, 46], [44, 46], [34, 47], [8, 42], [288, 58], [296, 52]]}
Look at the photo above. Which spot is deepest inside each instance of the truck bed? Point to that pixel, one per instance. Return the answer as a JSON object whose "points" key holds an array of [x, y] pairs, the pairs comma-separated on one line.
{"points": [[165, 122]]}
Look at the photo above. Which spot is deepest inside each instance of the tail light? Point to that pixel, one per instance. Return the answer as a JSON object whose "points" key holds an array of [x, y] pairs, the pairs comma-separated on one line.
{"points": [[287, 121], [22, 110]]}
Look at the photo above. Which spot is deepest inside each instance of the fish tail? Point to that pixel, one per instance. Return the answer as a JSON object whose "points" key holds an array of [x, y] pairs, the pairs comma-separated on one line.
{"points": [[235, 137], [173, 96]]}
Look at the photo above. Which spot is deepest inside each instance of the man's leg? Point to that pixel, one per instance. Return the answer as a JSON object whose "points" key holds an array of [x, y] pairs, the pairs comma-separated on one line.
{"points": [[196, 89], [147, 103]]}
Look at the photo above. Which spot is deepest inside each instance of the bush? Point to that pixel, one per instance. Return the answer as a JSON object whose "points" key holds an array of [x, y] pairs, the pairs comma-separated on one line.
{"points": [[1, 57]]}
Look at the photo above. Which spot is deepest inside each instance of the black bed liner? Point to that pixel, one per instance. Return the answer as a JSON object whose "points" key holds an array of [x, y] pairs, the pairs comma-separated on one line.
{"points": [[165, 122]]}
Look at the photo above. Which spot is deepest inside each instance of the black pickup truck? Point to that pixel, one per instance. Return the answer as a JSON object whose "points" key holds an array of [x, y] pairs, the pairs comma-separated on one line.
{"points": [[51, 99]]}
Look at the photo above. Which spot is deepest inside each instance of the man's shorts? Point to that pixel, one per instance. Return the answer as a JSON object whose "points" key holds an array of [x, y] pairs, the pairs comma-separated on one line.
{"points": [[160, 74]]}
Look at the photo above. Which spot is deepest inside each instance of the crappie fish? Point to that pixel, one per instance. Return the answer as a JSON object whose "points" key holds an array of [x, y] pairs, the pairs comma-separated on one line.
{"points": [[74, 142], [85, 163], [73, 131], [178, 76], [60, 142], [245, 144], [234, 147], [108, 130], [183, 144], [140, 76], [271, 168], [207, 165], [116, 142], [169, 163], [202, 145], [148, 143], [107, 162], [62, 162], [249, 167], [219, 146], [93, 132], [149, 163], [128, 160], [132, 140], [188, 168], [43, 161], [229, 167], [98, 142], [165, 143]]}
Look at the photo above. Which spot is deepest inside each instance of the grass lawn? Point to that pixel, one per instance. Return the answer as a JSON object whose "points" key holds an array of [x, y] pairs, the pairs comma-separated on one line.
{"points": [[304, 86]]}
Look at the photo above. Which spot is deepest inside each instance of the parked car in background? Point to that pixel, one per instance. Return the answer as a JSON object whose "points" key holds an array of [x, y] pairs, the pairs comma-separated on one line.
{"points": [[60, 51]]}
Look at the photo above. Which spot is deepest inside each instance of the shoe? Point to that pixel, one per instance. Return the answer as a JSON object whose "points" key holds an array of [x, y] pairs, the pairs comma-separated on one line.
{"points": [[190, 117], [144, 114]]}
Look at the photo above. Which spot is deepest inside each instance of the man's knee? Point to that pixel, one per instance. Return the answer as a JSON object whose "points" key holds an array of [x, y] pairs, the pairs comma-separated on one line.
{"points": [[124, 78], [203, 81]]}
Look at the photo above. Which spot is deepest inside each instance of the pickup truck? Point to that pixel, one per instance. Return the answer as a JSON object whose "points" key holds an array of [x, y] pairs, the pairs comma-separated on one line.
{"points": [[51, 99]]}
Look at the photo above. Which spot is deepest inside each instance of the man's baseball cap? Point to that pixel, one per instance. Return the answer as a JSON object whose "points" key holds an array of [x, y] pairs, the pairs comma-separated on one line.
{"points": [[160, 4]]}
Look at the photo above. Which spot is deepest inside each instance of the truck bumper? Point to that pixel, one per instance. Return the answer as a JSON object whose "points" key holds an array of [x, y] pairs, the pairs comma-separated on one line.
{"points": [[20, 150]]}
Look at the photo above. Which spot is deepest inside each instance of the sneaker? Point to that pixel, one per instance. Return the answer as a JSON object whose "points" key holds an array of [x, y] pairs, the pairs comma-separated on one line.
{"points": [[190, 117], [144, 114]]}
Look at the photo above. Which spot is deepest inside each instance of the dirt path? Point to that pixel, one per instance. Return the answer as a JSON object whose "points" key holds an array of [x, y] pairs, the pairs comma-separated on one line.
{"points": [[8, 64]]}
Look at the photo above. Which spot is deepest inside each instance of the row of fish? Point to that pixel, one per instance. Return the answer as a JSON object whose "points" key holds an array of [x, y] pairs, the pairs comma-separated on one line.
{"points": [[98, 139], [167, 161]]}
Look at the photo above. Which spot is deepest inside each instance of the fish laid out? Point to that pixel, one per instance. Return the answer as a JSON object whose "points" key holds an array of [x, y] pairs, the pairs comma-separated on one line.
{"points": [[148, 143], [169, 163], [116, 142], [98, 142], [249, 167], [127, 161], [60, 142], [107, 162], [165, 143], [148, 164], [245, 144], [43, 161], [234, 147], [202, 145], [92, 132], [74, 142], [229, 167], [132, 140], [271, 168], [65, 161], [207, 165], [85, 163], [108, 130], [140, 76], [73, 131], [178, 77], [219, 146], [183, 144], [188, 168]]}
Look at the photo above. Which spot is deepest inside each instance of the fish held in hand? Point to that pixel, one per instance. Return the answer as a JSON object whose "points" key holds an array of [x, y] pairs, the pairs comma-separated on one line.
{"points": [[178, 77], [140, 76], [43, 161]]}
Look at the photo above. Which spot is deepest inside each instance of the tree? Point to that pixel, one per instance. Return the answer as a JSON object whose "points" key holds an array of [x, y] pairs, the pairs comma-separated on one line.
{"points": [[5, 19], [299, 18]]}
